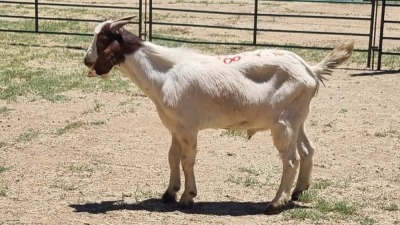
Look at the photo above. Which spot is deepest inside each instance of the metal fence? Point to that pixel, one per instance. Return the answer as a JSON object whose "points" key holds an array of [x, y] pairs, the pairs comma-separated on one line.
{"points": [[382, 35], [258, 18], [253, 23], [36, 15]]}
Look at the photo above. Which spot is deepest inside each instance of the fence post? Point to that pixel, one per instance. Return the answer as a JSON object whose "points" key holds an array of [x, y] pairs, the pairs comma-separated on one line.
{"points": [[36, 16], [150, 20], [381, 34], [371, 32], [140, 18], [255, 22]]}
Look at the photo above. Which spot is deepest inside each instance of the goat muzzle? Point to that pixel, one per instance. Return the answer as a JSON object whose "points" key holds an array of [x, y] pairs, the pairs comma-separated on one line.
{"points": [[92, 73]]}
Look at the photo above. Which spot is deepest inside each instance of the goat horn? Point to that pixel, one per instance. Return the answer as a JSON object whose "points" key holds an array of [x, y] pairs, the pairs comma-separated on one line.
{"points": [[116, 25]]}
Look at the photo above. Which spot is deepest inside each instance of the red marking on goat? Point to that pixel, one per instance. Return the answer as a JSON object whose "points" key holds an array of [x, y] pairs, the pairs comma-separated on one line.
{"points": [[230, 60]]}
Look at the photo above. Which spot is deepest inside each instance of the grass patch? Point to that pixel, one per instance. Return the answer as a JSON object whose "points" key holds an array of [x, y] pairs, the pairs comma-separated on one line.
{"points": [[70, 126], [303, 214], [322, 209], [342, 207], [3, 169], [309, 196], [367, 221], [27, 136], [3, 144], [246, 181], [388, 133], [392, 207], [5, 111], [321, 184], [233, 133], [82, 170], [97, 123]]}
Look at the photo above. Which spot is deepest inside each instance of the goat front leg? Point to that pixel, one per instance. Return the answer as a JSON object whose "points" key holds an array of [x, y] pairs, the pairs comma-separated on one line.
{"points": [[188, 157], [174, 158]]}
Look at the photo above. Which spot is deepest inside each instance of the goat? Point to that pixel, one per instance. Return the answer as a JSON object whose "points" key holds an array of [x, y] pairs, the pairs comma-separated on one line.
{"points": [[254, 91]]}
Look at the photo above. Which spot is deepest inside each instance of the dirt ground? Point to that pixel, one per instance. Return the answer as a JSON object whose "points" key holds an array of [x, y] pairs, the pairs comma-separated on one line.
{"points": [[101, 158], [112, 173]]}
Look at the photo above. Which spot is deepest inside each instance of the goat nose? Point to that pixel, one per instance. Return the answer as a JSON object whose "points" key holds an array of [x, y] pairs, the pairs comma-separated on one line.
{"points": [[88, 63]]}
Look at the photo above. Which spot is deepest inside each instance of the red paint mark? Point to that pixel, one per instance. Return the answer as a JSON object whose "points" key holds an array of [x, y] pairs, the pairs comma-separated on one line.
{"points": [[231, 60]]}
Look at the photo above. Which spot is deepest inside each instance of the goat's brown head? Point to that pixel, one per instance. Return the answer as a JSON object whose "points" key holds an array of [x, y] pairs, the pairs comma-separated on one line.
{"points": [[110, 44]]}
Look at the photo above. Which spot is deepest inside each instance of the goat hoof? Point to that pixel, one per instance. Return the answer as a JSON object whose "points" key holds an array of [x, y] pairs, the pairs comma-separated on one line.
{"points": [[273, 209], [188, 205], [168, 198], [296, 195]]}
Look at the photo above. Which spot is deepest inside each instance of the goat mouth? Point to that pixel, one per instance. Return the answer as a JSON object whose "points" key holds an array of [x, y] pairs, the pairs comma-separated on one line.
{"points": [[92, 73]]}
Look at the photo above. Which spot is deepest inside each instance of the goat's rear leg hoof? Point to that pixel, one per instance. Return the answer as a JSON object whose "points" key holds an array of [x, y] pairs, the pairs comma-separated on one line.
{"points": [[273, 209], [186, 201], [168, 198], [186, 205], [296, 195]]}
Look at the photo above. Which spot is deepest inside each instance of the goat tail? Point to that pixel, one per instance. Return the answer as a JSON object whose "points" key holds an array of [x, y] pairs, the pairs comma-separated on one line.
{"points": [[338, 56]]}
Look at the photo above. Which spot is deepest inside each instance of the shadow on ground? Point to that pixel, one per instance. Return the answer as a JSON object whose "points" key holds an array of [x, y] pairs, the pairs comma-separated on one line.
{"points": [[375, 73], [155, 205]]}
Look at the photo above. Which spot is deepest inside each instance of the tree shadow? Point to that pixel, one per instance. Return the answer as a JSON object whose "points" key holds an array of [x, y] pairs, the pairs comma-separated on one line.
{"points": [[205, 208]]}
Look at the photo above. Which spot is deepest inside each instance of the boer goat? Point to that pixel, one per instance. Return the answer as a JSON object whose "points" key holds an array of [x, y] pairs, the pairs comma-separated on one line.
{"points": [[254, 91]]}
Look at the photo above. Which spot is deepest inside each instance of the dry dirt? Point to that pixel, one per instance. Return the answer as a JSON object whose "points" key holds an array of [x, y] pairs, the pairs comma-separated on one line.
{"points": [[111, 173], [111, 167]]}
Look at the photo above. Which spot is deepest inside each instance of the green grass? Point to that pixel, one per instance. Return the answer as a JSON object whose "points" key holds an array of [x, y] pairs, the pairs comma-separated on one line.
{"points": [[5, 111], [392, 207], [48, 66], [3, 169], [82, 170], [27, 135], [253, 177], [70, 126], [388, 133], [98, 123], [367, 221], [3, 192], [321, 208], [233, 133]]}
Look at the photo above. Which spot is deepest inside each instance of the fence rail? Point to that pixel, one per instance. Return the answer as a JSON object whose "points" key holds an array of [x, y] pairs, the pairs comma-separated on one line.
{"points": [[259, 26], [383, 37], [38, 19]]}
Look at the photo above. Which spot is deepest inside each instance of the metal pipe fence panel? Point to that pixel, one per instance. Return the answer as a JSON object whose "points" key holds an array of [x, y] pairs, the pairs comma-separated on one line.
{"points": [[290, 24], [75, 18], [389, 31], [301, 24]]}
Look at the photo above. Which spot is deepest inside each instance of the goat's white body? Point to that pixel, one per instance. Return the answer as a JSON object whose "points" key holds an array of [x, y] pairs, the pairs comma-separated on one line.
{"points": [[253, 91], [200, 91]]}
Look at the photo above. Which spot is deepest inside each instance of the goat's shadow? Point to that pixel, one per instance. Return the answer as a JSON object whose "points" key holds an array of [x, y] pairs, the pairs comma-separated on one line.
{"points": [[155, 205]]}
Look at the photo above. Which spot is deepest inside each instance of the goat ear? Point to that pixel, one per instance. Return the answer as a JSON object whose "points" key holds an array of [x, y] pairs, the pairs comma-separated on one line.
{"points": [[111, 51], [116, 25], [126, 18]]}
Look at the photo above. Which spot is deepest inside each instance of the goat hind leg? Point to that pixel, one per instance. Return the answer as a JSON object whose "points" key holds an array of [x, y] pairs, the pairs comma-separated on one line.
{"points": [[174, 158], [285, 141], [306, 152]]}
